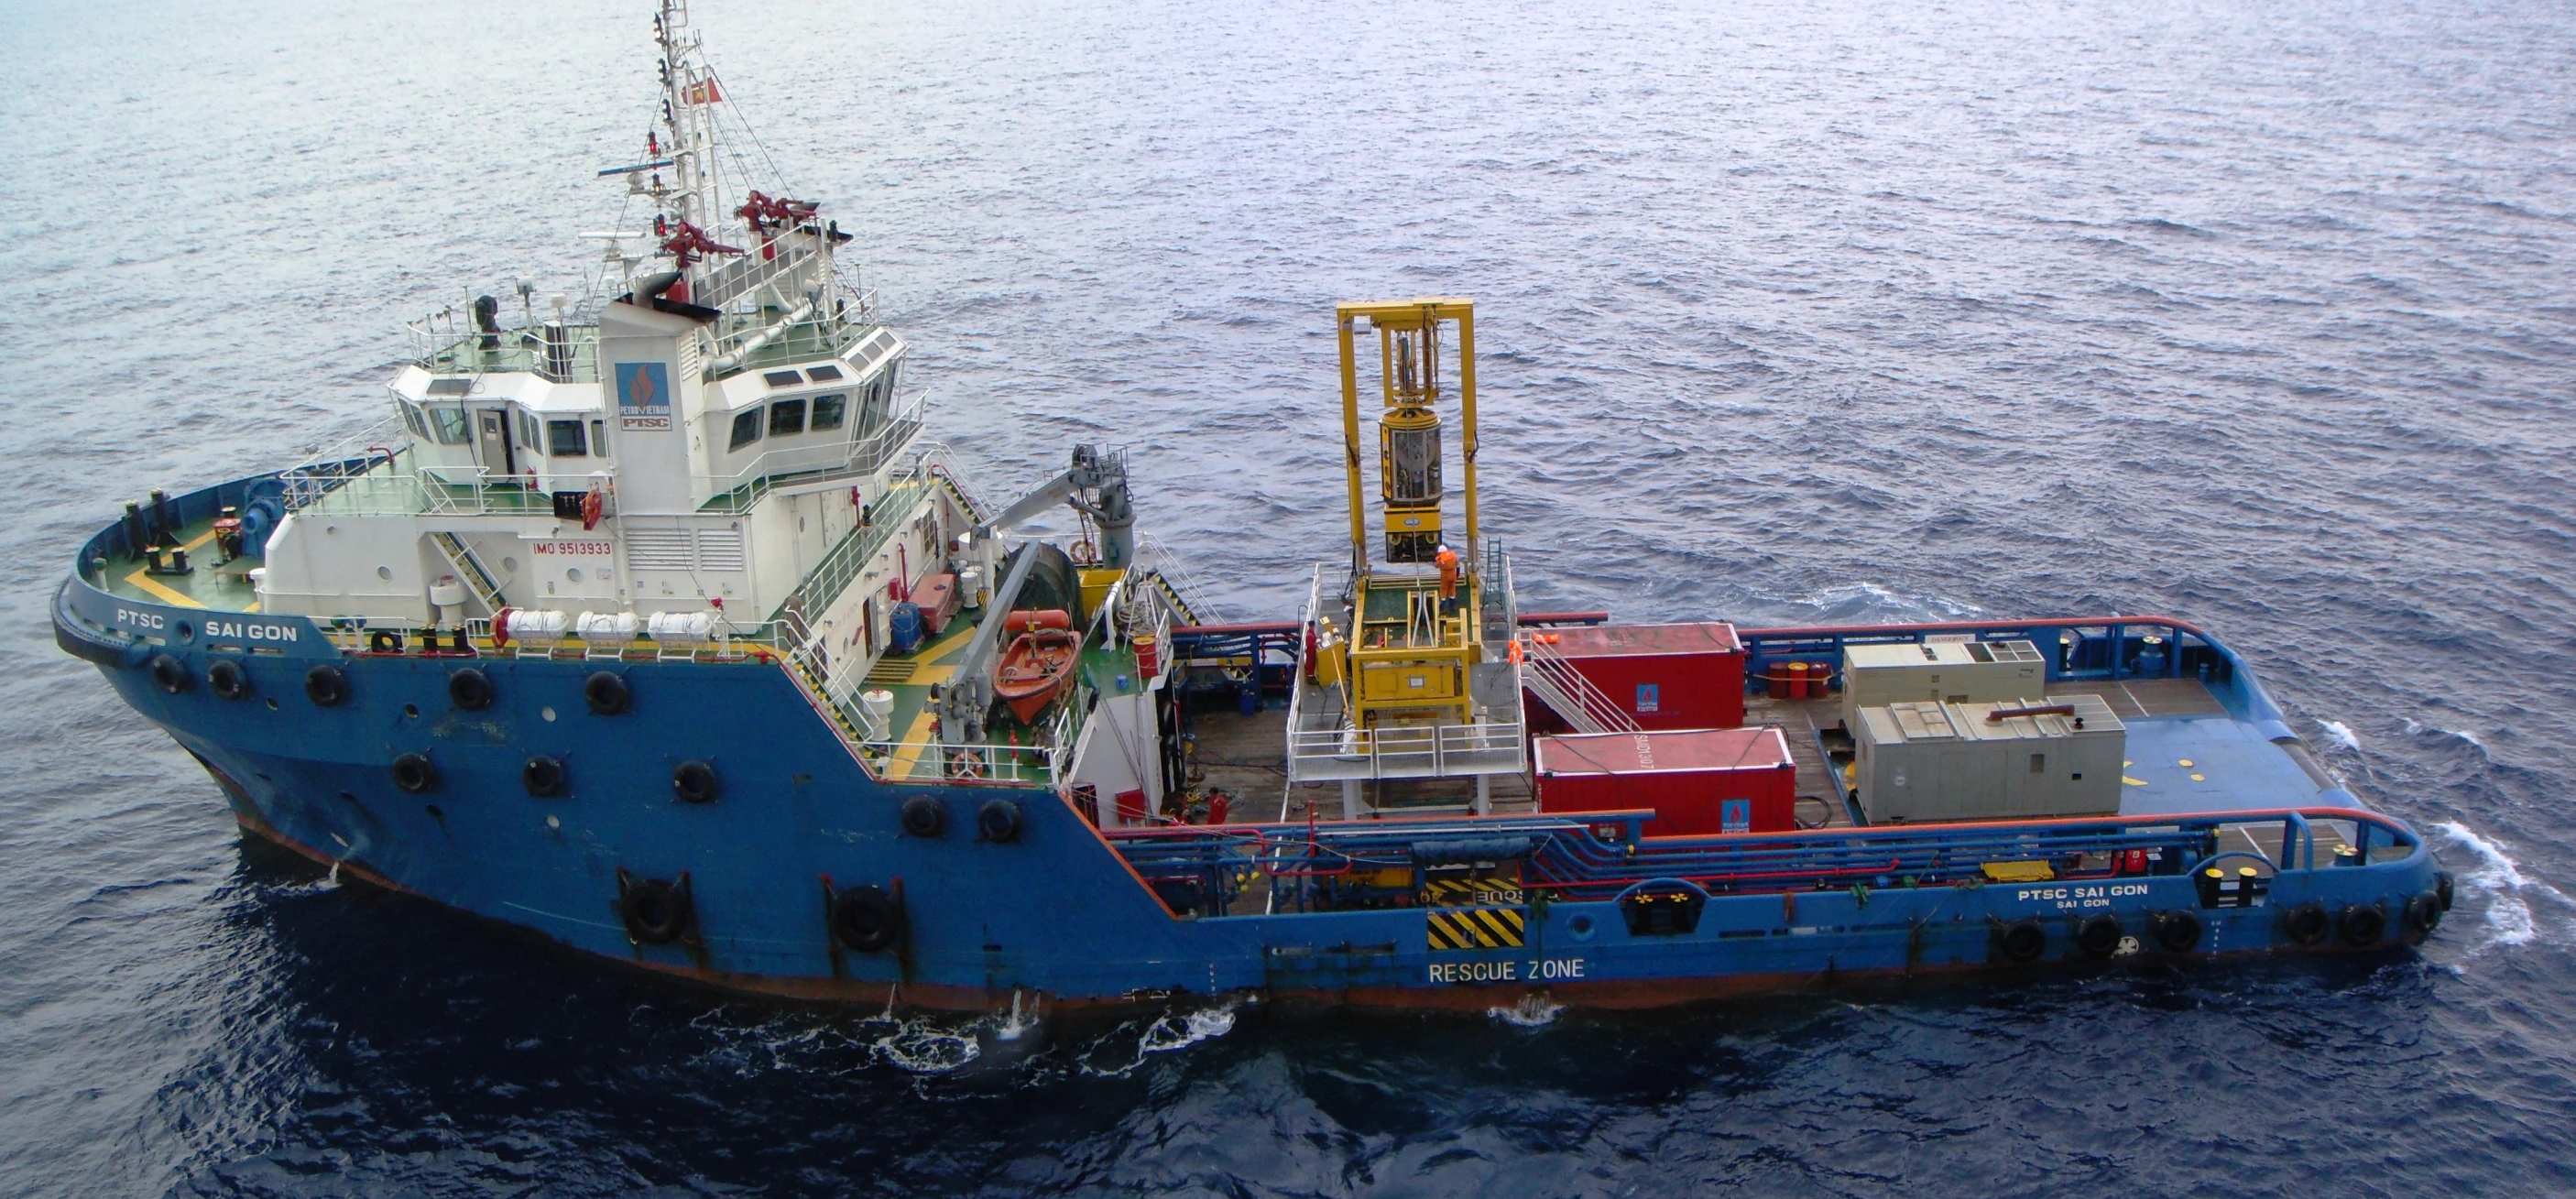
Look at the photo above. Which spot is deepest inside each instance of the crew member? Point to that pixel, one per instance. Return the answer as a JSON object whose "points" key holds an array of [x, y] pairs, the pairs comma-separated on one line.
{"points": [[1448, 560]]}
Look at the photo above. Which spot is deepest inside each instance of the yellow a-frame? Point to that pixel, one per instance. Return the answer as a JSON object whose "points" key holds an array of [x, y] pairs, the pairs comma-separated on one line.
{"points": [[1406, 658]]}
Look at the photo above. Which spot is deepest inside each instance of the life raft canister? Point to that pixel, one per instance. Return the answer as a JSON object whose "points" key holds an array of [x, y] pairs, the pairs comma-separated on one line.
{"points": [[326, 686], [228, 679], [544, 777], [605, 692], [469, 689], [655, 912], [414, 774], [694, 782], [867, 919]]}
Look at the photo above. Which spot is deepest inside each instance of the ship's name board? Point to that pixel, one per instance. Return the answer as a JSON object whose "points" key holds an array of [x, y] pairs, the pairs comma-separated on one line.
{"points": [[579, 549], [2097, 896], [246, 630], [1507, 970]]}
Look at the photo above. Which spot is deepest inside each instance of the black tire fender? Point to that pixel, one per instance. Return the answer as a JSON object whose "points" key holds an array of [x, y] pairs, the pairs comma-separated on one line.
{"points": [[694, 781], [924, 817], [2424, 912], [545, 777], [2177, 932], [655, 912], [470, 689], [326, 686], [228, 679], [998, 821], [867, 919], [414, 774], [170, 674], [2307, 924], [2362, 925], [606, 693], [2100, 935], [2024, 941]]}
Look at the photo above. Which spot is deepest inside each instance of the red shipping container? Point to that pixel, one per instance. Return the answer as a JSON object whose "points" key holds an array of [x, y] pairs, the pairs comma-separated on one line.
{"points": [[1696, 780], [1666, 676]]}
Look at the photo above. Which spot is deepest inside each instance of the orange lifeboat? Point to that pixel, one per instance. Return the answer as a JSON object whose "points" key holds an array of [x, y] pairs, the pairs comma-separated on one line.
{"points": [[1033, 669]]}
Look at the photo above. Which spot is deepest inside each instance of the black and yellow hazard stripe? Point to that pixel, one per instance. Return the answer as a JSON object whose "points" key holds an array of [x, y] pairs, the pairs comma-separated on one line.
{"points": [[1477, 928], [1468, 892]]}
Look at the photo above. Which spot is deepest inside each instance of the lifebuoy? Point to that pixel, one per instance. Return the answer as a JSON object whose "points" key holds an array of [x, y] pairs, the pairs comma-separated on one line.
{"points": [[2024, 941], [501, 628], [326, 686], [384, 641], [2177, 932], [2307, 924], [169, 673], [2100, 935], [592, 505], [544, 777], [2362, 925], [998, 821], [469, 689], [605, 693], [228, 679], [867, 919], [655, 912], [924, 816], [966, 764], [694, 782], [2424, 912], [414, 774]]}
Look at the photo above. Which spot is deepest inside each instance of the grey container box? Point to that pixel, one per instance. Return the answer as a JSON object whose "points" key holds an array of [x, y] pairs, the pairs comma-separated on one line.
{"points": [[1931, 761], [1950, 672]]}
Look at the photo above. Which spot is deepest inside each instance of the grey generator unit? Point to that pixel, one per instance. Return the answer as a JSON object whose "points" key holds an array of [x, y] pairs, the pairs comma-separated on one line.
{"points": [[2053, 756], [1950, 672]]}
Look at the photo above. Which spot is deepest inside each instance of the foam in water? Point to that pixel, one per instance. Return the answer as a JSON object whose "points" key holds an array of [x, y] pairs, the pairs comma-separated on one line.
{"points": [[1533, 1011], [2503, 882], [2416, 727], [1168, 1033], [2341, 733]]}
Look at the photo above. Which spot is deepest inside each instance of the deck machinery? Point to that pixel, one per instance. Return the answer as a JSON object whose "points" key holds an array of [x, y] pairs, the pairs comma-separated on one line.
{"points": [[1409, 682]]}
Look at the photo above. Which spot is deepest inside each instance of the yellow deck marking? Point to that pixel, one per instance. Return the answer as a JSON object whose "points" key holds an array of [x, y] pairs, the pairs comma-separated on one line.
{"points": [[164, 594], [2133, 782], [915, 741], [2182, 761], [254, 606], [2197, 778]]}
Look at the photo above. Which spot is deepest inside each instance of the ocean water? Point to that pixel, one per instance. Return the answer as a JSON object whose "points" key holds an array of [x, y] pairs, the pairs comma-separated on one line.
{"points": [[2256, 315]]}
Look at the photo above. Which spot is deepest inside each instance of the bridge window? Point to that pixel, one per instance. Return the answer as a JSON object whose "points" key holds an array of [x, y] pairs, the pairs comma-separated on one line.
{"points": [[828, 410], [746, 429], [411, 419], [447, 423], [564, 439], [528, 433], [785, 417]]}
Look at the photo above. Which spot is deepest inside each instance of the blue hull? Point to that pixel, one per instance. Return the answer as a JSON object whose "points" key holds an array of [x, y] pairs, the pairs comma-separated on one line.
{"points": [[1066, 914]]}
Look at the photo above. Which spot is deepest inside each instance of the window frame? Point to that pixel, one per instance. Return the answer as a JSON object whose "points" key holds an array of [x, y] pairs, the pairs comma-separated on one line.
{"points": [[752, 419], [790, 412], [840, 401], [555, 429]]}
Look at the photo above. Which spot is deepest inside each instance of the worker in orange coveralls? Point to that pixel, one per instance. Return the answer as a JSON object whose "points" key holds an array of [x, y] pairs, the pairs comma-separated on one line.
{"points": [[1448, 560]]}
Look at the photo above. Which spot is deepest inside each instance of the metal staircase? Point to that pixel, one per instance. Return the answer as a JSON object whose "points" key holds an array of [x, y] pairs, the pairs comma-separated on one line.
{"points": [[1555, 681], [469, 570]]}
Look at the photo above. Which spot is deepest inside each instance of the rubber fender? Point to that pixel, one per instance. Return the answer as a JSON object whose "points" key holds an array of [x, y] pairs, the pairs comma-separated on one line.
{"points": [[228, 679], [605, 693], [170, 674], [924, 816], [384, 641], [326, 686], [2442, 888], [2424, 912], [2177, 932], [998, 821], [2307, 924], [655, 912], [414, 774], [867, 919], [470, 689], [545, 777], [2099, 935], [2024, 941], [694, 781], [2362, 925]]}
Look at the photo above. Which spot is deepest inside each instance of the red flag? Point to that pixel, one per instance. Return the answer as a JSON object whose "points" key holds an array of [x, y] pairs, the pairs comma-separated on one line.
{"points": [[702, 92]]}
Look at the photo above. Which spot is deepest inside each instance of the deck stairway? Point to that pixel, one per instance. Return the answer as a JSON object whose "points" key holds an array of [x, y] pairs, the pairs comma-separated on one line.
{"points": [[1555, 681], [469, 570]]}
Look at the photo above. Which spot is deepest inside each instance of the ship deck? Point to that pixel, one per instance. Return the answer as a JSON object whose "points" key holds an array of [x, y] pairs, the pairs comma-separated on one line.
{"points": [[220, 587]]}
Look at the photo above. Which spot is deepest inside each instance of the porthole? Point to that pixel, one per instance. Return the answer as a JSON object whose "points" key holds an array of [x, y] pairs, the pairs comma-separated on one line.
{"points": [[509, 565], [573, 573], [385, 572]]}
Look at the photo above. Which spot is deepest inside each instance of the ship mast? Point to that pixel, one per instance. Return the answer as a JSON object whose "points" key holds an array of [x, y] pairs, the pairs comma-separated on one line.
{"points": [[689, 97]]}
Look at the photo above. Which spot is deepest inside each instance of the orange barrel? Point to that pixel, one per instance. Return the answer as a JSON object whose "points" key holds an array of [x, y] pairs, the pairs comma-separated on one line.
{"points": [[1148, 663]]}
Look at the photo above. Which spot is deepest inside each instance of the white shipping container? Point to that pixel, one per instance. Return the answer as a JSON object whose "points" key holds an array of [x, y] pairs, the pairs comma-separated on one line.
{"points": [[1941, 672]]}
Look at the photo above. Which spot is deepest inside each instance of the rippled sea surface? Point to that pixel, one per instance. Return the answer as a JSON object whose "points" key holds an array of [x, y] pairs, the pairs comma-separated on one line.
{"points": [[2257, 315]]}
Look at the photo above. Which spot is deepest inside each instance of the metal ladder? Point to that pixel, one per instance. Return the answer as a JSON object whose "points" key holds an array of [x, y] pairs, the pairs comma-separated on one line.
{"points": [[470, 569], [1563, 689]]}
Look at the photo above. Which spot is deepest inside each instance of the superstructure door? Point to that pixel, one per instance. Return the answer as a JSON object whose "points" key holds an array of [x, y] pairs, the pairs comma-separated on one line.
{"points": [[492, 442]]}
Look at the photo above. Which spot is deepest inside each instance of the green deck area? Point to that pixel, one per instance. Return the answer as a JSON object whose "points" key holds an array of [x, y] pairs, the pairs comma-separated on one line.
{"points": [[222, 588]]}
